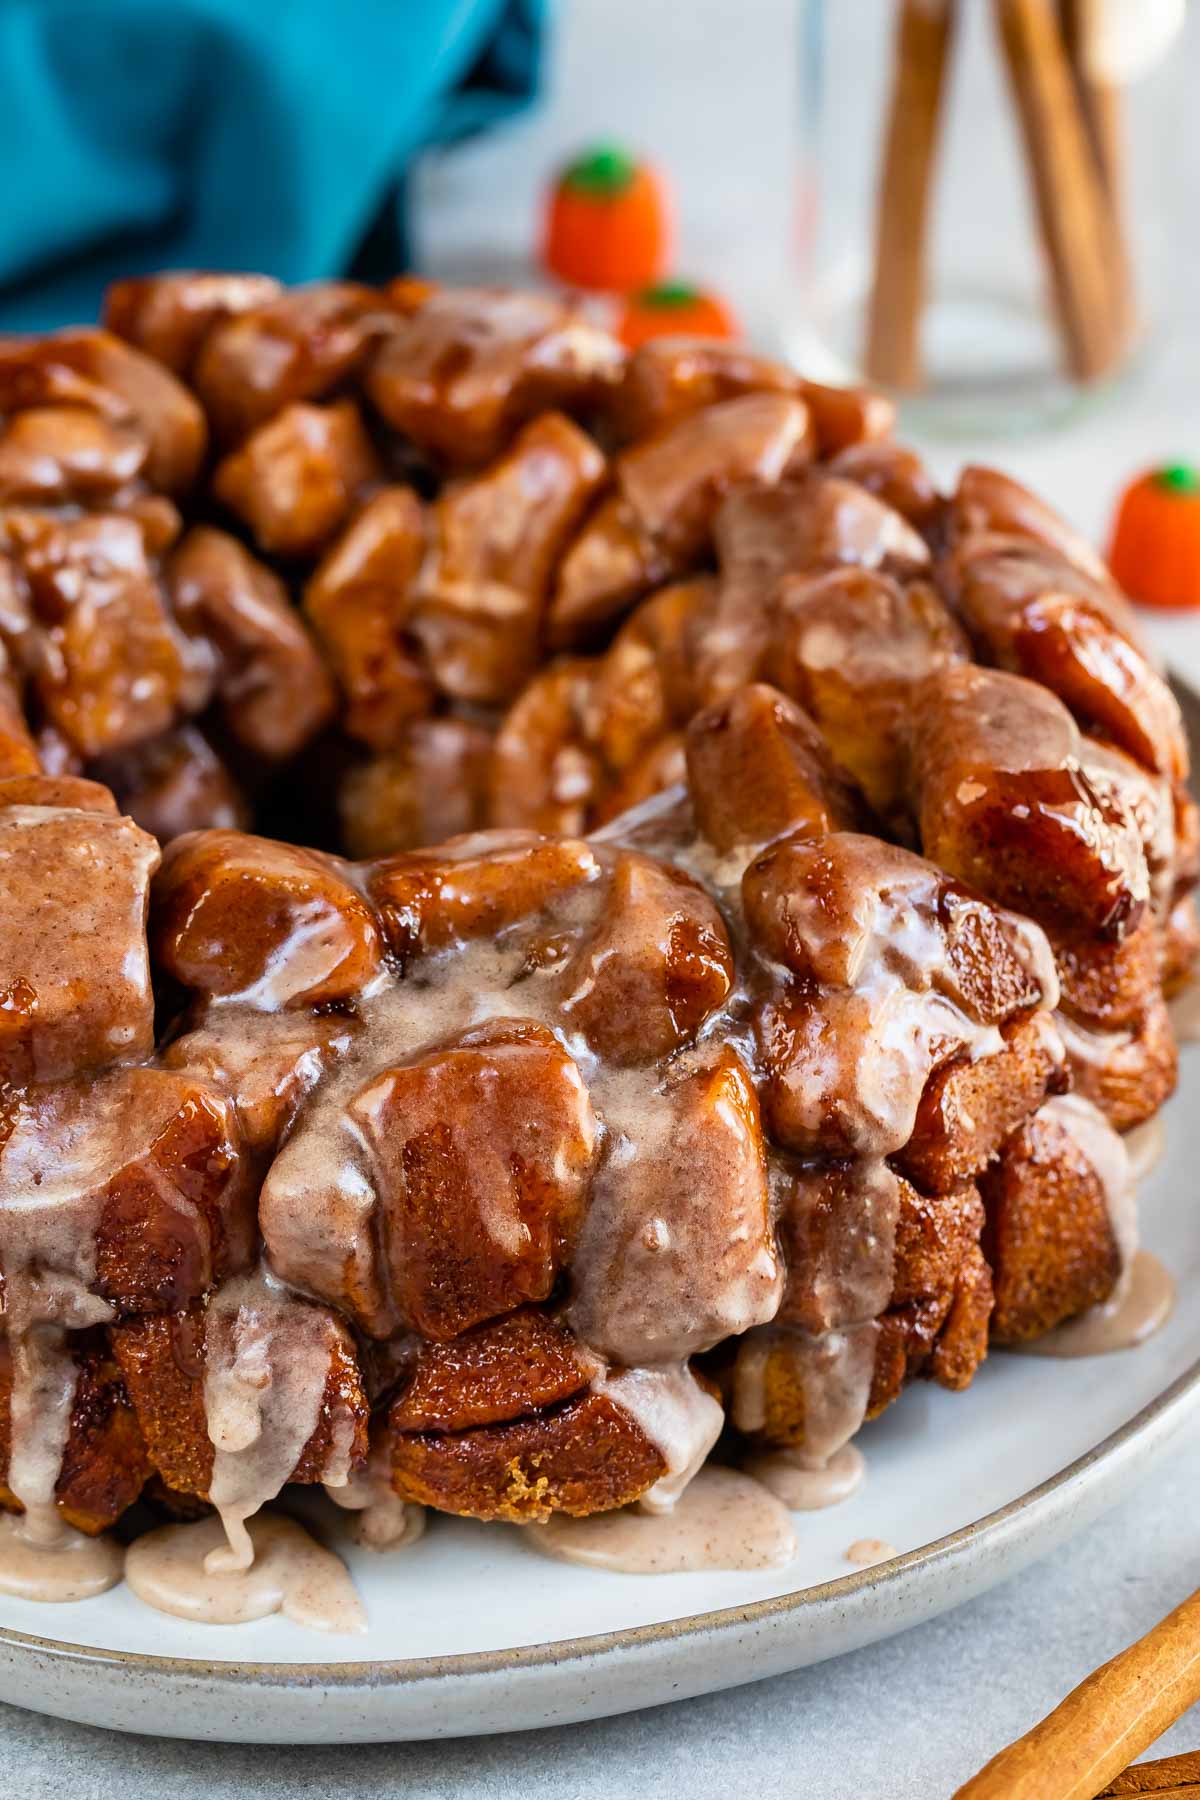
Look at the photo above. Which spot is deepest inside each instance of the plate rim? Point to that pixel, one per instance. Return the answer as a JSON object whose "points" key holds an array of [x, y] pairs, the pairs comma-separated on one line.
{"points": [[1166, 1409]]}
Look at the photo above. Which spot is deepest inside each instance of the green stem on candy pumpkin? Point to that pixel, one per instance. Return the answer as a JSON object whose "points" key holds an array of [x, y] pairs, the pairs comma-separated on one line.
{"points": [[604, 171]]}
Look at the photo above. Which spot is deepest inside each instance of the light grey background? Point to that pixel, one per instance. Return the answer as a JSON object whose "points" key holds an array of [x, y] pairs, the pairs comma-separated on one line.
{"points": [[915, 1716]]}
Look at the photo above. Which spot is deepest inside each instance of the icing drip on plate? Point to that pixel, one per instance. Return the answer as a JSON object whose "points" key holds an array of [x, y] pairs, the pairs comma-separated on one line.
{"points": [[68, 1567], [723, 1520], [185, 1570]]}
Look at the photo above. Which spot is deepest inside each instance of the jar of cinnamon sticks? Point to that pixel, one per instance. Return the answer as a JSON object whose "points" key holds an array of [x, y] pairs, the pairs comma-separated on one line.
{"points": [[987, 199]]}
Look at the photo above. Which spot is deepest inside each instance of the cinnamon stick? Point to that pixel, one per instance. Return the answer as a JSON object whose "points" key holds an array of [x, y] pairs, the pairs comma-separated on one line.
{"points": [[924, 29], [1102, 108], [1105, 1723], [1074, 217], [1169, 1775]]}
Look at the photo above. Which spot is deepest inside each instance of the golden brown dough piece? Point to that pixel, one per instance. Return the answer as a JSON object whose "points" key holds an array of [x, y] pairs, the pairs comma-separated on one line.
{"points": [[105, 1465]]}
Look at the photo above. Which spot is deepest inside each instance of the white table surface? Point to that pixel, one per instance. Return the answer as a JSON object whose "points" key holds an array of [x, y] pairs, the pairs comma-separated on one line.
{"points": [[915, 1716]]}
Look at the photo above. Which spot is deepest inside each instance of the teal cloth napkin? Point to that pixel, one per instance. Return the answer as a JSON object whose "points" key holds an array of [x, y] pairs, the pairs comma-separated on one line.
{"points": [[144, 134]]}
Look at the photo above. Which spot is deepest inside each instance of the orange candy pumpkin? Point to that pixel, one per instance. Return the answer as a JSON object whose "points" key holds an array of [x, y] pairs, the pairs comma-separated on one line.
{"points": [[673, 309], [608, 223], [1155, 553]]}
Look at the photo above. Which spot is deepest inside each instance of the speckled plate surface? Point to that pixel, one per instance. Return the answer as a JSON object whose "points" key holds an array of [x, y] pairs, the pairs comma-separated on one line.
{"points": [[472, 1631]]}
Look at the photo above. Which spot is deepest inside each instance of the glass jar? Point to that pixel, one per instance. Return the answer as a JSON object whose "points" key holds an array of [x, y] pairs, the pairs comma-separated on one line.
{"points": [[985, 211]]}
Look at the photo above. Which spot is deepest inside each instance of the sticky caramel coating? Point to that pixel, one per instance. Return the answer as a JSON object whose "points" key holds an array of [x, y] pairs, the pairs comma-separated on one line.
{"points": [[105, 1465], [169, 316], [163, 1359], [934, 1321], [896, 971], [232, 911], [1038, 614], [502, 1370], [655, 965], [586, 1455], [296, 478], [472, 364], [758, 768], [293, 346], [1003, 802], [93, 632], [1048, 1238], [359, 604], [1130, 1073], [274, 690], [853, 647], [59, 455], [495, 540], [95, 370]]}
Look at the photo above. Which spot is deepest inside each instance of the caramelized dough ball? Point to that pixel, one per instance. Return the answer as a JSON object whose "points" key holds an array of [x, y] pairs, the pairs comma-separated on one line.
{"points": [[843, 416], [479, 1156], [1049, 1238], [611, 562], [662, 766], [74, 970], [278, 924], [675, 481], [104, 1465], [169, 315], [496, 539], [174, 784], [102, 653], [805, 526], [295, 478], [91, 368], [265, 1067], [71, 793], [899, 973], [852, 648], [163, 1359], [1003, 801], [653, 967], [644, 684], [669, 378], [678, 1251], [585, 1456], [295, 347], [1180, 946], [969, 1106], [431, 786], [470, 364], [477, 886], [759, 768], [60, 455], [987, 501], [497, 1371], [546, 770], [274, 690], [146, 1165], [1108, 985], [837, 1228], [895, 475], [1036, 613], [359, 603], [18, 752], [1128, 1074]]}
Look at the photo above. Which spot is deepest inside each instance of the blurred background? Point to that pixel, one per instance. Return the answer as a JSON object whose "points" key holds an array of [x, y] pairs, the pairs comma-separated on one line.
{"points": [[820, 158]]}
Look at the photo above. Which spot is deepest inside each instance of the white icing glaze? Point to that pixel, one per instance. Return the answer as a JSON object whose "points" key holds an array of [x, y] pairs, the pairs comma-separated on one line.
{"points": [[381, 1519], [181, 1569], [800, 1486], [723, 1521], [69, 1567], [266, 1364], [680, 1418], [864, 1553], [1109, 1158]]}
